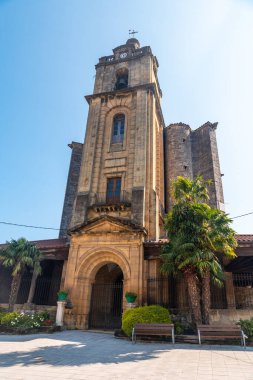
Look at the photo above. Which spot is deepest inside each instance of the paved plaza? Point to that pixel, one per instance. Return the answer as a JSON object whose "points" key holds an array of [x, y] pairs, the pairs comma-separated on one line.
{"points": [[89, 355]]}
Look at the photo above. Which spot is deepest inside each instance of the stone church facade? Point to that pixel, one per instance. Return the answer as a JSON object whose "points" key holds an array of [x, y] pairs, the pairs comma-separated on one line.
{"points": [[118, 191], [120, 179]]}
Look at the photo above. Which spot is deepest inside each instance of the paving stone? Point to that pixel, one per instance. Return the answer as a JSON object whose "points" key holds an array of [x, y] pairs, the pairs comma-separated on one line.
{"points": [[79, 355]]}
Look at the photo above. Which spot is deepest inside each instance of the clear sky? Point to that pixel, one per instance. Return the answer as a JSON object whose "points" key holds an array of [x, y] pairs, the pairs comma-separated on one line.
{"points": [[48, 51]]}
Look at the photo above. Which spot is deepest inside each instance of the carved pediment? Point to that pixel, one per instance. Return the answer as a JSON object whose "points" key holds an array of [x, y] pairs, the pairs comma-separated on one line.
{"points": [[107, 224], [105, 227]]}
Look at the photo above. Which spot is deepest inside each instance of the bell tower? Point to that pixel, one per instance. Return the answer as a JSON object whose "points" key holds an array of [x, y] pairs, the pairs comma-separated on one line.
{"points": [[118, 199], [122, 170]]}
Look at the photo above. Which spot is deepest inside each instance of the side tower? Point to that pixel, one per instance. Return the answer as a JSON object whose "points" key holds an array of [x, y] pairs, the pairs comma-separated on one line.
{"points": [[119, 200], [191, 153]]}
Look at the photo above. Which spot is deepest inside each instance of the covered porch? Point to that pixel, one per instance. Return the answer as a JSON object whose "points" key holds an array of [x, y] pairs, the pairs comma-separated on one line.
{"points": [[55, 255], [229, 303]]}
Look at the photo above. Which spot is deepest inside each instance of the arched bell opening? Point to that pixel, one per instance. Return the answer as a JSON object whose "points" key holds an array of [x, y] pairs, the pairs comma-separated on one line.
{"points": [[121, 79], [106, 298]]}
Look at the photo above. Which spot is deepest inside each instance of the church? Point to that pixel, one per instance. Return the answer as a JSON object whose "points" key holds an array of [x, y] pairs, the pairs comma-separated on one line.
{"points": [[118, 192]]}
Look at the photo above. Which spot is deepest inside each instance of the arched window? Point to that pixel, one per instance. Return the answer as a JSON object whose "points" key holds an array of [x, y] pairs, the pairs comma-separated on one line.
{"points": [[122, 79], [118, 128]]}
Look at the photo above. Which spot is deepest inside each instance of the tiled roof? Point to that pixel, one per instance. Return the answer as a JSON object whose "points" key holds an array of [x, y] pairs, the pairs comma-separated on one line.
{"points": [[64, 243], [47, 244], [239, 237], [244, 238]]}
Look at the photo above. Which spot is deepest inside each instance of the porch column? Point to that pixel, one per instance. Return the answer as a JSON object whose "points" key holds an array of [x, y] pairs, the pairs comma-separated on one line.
{"points": [[60, 313], [230, 292]]}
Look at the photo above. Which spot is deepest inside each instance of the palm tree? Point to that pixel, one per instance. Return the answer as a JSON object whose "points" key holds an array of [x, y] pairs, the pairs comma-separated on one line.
{"points": [[196, 233], [18, 254], [37, 256], [220, 238], [186, 190], [179, 258]]}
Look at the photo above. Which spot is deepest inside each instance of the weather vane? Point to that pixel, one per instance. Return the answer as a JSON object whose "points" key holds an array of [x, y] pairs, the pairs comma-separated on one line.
{"points": [[132, 32]]}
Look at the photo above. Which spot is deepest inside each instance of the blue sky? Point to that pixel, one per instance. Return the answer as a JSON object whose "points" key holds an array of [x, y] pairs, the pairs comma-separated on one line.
{"points": [[48, 52]]}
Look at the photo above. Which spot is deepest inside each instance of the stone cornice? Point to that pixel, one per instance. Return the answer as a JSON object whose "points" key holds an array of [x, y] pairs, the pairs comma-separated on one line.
{"points": [[110, 59], [147, 86]]}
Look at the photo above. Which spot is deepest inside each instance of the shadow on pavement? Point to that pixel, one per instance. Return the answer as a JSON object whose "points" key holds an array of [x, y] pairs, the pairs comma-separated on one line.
{"points": [[74, 348], [80, 353]]}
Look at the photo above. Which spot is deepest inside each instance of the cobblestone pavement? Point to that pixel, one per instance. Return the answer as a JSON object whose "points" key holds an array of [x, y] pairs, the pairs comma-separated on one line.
{"points": [[80, 355]]}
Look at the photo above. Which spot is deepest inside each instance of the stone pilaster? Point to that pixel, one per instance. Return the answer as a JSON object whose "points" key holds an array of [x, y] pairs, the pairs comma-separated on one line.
{"points": [[138, 200], [230, 292]]}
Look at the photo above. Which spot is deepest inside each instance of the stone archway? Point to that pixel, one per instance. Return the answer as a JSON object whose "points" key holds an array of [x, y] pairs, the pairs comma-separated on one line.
{"points": [[88, 273], [106, 298]]}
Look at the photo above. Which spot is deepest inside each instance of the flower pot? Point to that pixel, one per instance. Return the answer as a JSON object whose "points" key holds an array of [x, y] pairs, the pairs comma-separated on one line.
{"points": [[62, 296], [131, 298]]}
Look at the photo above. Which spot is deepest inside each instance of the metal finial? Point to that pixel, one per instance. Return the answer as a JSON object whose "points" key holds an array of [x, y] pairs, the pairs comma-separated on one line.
{"points": [[132, 32]]}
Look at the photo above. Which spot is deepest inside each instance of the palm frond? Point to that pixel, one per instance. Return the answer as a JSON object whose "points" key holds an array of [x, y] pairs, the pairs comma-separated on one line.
{"points": [[20, 253]]}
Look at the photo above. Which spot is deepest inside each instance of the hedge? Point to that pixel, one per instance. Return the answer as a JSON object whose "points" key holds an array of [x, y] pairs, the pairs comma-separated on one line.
{"points": [[247, 326], [144, 314]]}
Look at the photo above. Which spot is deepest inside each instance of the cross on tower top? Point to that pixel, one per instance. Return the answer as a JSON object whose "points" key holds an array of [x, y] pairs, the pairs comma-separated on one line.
{"points": [[132, 32]]}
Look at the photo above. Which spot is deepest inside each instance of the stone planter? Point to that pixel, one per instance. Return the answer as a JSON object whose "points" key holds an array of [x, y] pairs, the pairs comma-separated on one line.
{"points": [[131, 305]]}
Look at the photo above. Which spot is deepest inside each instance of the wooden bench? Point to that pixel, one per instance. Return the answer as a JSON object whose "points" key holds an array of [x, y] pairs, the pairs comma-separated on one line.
{"points": [[153, 329], [207, 331]]}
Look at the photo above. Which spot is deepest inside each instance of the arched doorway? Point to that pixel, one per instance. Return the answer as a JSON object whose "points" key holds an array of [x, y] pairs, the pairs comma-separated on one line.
{"points": [[106, 298]]}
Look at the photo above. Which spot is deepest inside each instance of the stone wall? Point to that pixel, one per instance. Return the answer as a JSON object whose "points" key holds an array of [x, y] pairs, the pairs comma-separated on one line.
{"points": [[228, 316], [71, 188], [205, 161], [178, 156]]}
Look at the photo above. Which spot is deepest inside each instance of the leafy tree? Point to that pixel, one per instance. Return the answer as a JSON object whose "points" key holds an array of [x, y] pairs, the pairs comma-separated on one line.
{"points": [[196, 233], [17, 255]]}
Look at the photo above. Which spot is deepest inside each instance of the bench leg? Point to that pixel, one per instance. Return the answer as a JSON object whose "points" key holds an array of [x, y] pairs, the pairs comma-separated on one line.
{"points": [[133, 336], [173, 335], [199, 337], [243, 340]]}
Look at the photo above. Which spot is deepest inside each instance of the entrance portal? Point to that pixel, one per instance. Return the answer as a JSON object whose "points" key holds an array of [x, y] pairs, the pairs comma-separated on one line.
{"points": [[106, 298]]}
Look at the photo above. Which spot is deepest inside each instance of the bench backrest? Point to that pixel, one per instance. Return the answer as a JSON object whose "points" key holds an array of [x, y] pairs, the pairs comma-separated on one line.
{"points": [[222, 331], [153, 327], [218, 328]]}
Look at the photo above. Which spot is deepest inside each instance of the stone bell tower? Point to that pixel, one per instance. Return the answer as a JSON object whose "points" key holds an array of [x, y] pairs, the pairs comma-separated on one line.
{"points": [[121, 173], [115, 190]]}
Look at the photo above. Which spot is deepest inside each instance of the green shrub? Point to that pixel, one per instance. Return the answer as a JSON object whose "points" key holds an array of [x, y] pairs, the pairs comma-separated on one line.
{"points": [[2, 314], [7, 318], [144, 314], [23, 320], [247, 326], [179, 329], [44, 314]]}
